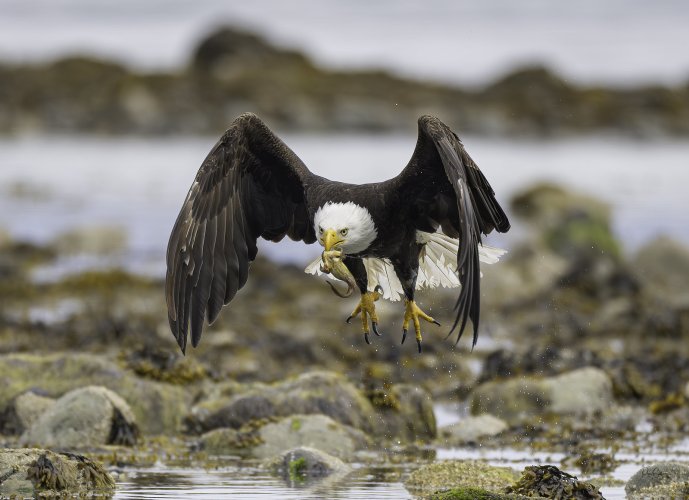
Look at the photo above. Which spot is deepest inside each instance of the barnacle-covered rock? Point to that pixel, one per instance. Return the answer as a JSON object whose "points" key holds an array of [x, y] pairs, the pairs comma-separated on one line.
{"points": [[41, 473]]}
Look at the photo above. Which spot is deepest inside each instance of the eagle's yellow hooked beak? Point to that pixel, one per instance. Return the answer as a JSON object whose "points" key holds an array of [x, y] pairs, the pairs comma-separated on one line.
{"points": [[330, 238]]}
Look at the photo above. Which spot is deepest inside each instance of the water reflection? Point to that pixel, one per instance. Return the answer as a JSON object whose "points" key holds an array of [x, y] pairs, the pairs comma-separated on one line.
{"points": [[255, 483]]}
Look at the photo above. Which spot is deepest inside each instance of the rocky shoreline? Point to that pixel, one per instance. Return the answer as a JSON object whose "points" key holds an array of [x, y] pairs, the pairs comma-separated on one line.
{"points": [[232, 71], [583, 355]]}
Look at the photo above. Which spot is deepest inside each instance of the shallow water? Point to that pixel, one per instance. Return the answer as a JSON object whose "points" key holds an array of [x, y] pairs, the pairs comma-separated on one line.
{"points": [[365, 482], [51, 184], [250, 483], [234, 478]]}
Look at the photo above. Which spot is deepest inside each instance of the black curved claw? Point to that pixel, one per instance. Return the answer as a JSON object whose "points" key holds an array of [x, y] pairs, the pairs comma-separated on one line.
{"points": [[349, 319], [404, 336], [366, 338], [436, 323], [375, 328], [419, 343], [378, 289]]}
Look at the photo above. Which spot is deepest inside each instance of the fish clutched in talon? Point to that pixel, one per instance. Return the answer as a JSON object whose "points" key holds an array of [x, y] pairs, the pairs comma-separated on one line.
{"points": [[331, 263]]}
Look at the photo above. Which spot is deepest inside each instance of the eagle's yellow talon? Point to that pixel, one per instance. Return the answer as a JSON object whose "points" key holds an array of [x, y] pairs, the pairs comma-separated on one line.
{"points": [[412, 313], [367, 309]]}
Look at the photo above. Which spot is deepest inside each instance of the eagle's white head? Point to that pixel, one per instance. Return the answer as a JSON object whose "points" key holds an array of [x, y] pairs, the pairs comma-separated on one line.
{"points": [[345, 226]]}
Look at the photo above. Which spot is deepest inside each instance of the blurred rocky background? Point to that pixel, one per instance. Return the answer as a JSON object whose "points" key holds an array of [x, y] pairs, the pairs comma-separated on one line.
{"points": [[582, 365], [232, 70]]}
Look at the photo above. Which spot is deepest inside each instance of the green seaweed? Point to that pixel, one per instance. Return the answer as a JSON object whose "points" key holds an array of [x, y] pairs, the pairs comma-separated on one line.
{"points": [[297, 469]]}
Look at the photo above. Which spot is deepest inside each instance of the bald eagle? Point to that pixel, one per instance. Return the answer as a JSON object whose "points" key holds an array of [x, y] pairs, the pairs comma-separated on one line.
{"points": [[252, 185]]}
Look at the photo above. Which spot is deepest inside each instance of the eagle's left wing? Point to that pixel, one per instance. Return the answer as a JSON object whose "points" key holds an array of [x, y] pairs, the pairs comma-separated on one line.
{"points": [[446, 189]]}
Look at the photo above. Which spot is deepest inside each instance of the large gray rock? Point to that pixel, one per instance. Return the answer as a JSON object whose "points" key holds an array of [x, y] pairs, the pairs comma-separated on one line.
{"points": [[35, 473], [159, 407], [82, 418], [313, 431], [581, 391], [664, 480], [470, 429], [571, 224], [273, 438], [407, 413], [23, 411]]}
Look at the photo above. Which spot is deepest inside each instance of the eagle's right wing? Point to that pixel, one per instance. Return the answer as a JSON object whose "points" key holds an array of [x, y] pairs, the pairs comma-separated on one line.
{"points": [[448, 191], [250, 184]]}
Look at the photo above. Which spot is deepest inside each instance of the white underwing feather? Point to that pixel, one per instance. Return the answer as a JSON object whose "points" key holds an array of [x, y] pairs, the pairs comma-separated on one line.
{"points": [[437, 265]]}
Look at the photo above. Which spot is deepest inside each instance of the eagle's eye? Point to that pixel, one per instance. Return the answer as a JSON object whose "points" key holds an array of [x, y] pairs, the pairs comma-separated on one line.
{"points": [[344, 231], [320, 229]]}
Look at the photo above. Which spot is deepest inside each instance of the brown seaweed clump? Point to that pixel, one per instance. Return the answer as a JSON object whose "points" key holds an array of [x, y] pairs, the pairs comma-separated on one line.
{"points": [[550, 482], [48, 476]]}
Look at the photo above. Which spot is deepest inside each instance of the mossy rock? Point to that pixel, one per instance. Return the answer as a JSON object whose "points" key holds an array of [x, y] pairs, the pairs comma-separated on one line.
{"points": [[453, 474], [303, 463], [164, 365], [315, 431], [325, 393], [590, 462], [22, 411], [42, 473], [663, 480], [469, 493], [571, 224]]}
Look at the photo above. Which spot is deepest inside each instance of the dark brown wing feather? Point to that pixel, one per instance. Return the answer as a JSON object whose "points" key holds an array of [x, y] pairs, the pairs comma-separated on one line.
{"points": [[250, 185], [447, 189]]}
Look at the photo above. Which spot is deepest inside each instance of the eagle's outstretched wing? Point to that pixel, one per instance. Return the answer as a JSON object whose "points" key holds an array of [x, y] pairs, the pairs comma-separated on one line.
{"points": [[447, 190], [250, 184]]}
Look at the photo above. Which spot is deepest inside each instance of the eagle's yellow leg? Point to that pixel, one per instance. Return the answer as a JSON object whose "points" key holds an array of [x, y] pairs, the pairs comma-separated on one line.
{"points": [[367, 308], [413, 312]]}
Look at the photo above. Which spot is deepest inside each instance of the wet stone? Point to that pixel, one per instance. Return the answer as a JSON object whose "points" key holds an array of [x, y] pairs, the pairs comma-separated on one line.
{"points": [[314, 431], [303, 463], [87, 417], [22, 411], [582, 391]]}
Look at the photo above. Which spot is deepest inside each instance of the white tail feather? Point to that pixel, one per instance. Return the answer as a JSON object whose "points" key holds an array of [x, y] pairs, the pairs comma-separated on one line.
{"points": [[437, 265]]}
